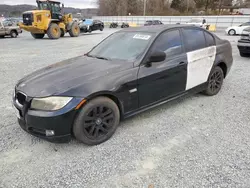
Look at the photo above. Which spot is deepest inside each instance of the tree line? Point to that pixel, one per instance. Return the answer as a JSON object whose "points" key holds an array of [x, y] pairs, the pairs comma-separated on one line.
{"points": [[166, 7]]}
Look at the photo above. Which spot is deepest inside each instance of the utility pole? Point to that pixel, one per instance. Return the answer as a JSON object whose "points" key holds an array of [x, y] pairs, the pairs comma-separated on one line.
{"points": [[145, 6], [187, 5]]}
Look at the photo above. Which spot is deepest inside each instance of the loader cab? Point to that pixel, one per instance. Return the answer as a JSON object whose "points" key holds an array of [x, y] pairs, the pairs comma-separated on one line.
{"points": [[53, 6]]}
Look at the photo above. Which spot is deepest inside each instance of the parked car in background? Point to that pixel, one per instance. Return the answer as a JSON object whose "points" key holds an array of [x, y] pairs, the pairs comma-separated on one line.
{"points": [[8, 29], [199, 22], [244, 43], [237, 30], [124, 25], [131, 71], [153, 22], [89, 25]]}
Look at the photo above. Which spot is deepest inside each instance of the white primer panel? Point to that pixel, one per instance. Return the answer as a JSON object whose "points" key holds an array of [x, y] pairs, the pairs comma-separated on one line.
{"points": [[200, 63]]}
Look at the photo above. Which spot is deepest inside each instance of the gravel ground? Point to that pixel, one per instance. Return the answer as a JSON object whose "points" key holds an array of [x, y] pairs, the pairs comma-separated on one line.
{"points": [[194, 141]]}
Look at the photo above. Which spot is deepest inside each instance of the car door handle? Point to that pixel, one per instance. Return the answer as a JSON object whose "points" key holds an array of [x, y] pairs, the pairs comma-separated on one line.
{"points": [[182, 63]]}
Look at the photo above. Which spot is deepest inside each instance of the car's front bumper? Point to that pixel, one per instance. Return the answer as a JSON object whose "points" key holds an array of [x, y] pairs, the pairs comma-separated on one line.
{"points": [[244, 46], [38, 122]]}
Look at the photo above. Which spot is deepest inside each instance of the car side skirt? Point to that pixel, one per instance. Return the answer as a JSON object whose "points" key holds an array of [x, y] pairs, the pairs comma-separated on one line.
{"points": [[190, 92]]}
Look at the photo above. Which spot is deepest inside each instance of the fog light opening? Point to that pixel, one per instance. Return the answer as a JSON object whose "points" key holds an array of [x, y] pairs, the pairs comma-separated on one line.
{"points": [[50, 133]]}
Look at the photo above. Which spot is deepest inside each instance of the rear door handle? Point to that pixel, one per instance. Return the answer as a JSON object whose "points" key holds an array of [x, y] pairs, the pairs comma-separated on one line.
{"points": [[182, 63]]}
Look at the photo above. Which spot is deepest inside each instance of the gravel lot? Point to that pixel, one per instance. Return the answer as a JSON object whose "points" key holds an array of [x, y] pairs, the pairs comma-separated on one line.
{"points": [[195, 141]]}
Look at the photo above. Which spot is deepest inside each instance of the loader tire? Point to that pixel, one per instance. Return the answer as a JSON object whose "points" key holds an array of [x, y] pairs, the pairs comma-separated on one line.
{"points": [[54, 31], [74, 30], [37, 35]]}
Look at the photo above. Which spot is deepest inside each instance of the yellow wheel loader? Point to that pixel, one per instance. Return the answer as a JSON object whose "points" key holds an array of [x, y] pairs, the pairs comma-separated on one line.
{"points": [[48, 19]]}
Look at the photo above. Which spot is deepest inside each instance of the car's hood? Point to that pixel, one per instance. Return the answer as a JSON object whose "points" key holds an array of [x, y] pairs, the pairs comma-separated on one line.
{"points": [[63, 76]]}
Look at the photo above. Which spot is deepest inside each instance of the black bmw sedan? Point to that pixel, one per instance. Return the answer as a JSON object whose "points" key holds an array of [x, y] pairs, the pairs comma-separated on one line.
{"points": [[87, 96]]}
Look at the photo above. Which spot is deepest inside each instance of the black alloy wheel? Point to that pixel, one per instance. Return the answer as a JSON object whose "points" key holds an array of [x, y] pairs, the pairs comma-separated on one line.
{"points": [[215, 82], [97, 121]]}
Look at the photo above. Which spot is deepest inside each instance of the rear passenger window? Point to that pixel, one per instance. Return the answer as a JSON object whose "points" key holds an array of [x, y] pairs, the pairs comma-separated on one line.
{"points": [[194, 39], [209, 39], [170, 42]]}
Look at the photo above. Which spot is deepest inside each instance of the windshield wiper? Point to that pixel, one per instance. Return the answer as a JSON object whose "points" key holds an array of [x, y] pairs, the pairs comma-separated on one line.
{"points": [[98, 57]]}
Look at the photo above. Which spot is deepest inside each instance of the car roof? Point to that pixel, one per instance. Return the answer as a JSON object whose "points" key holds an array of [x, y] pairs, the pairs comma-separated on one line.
{"points": [[155, 29]]}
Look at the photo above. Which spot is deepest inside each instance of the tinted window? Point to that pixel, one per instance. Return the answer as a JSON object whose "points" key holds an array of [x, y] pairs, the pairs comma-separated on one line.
{"points": [[194, 39], [169, 42], [209, 39]]}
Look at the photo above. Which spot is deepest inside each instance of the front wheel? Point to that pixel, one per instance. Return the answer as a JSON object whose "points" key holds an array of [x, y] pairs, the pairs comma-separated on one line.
{"points": [[215, 82], [232, 32], [13, 34], [74, 30], [97, 121], [54, 31]]}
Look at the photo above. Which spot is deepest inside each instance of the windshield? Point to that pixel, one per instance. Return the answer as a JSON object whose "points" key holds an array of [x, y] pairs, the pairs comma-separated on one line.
{"points": [[127, 46], [43, 6], [88, 22], [55, 7]]}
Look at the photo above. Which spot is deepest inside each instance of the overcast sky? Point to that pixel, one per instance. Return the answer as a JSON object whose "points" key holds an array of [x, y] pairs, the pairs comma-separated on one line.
{"points": [[67, 3]]}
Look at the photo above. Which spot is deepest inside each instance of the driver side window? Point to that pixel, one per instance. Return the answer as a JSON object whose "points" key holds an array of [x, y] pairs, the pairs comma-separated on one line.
{"points": [[169, 42]]}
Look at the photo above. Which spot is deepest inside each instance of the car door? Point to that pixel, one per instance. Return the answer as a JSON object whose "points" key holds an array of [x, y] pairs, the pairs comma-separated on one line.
{"points": [[164, 79], [200, 56], [242, 27], [2, 30]]}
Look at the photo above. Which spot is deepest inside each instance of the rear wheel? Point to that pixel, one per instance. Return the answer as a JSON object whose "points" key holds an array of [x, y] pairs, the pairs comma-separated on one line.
{"points": [[97, 121], [54, 31], [37, 35], [101, 29], [215, 82], [13, 34], [74, 30]]}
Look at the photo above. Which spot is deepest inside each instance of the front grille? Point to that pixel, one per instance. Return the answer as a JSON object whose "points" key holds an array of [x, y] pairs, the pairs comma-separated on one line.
{"points": [[27, 18], [21, 98]]}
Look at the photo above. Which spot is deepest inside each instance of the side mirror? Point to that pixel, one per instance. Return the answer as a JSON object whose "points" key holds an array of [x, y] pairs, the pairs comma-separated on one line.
{"points": [[157, 56]]}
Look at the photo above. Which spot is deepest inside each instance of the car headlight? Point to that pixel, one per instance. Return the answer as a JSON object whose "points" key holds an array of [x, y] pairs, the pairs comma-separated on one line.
{"points": [[50, 103]]}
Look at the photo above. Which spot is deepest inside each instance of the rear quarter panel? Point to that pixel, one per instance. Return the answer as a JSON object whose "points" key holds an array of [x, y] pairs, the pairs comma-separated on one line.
{"points": [[224, 53]]}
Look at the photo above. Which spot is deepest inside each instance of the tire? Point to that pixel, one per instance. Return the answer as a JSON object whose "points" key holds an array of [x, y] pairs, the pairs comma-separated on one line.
{"points": [[215, 82], [13, 34], [2, 36], [94, 131], [54, 31], [37, 35], [74, 30], [62, 33], [232, 32], [101, 29], [244, 54], [90, 30]]}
